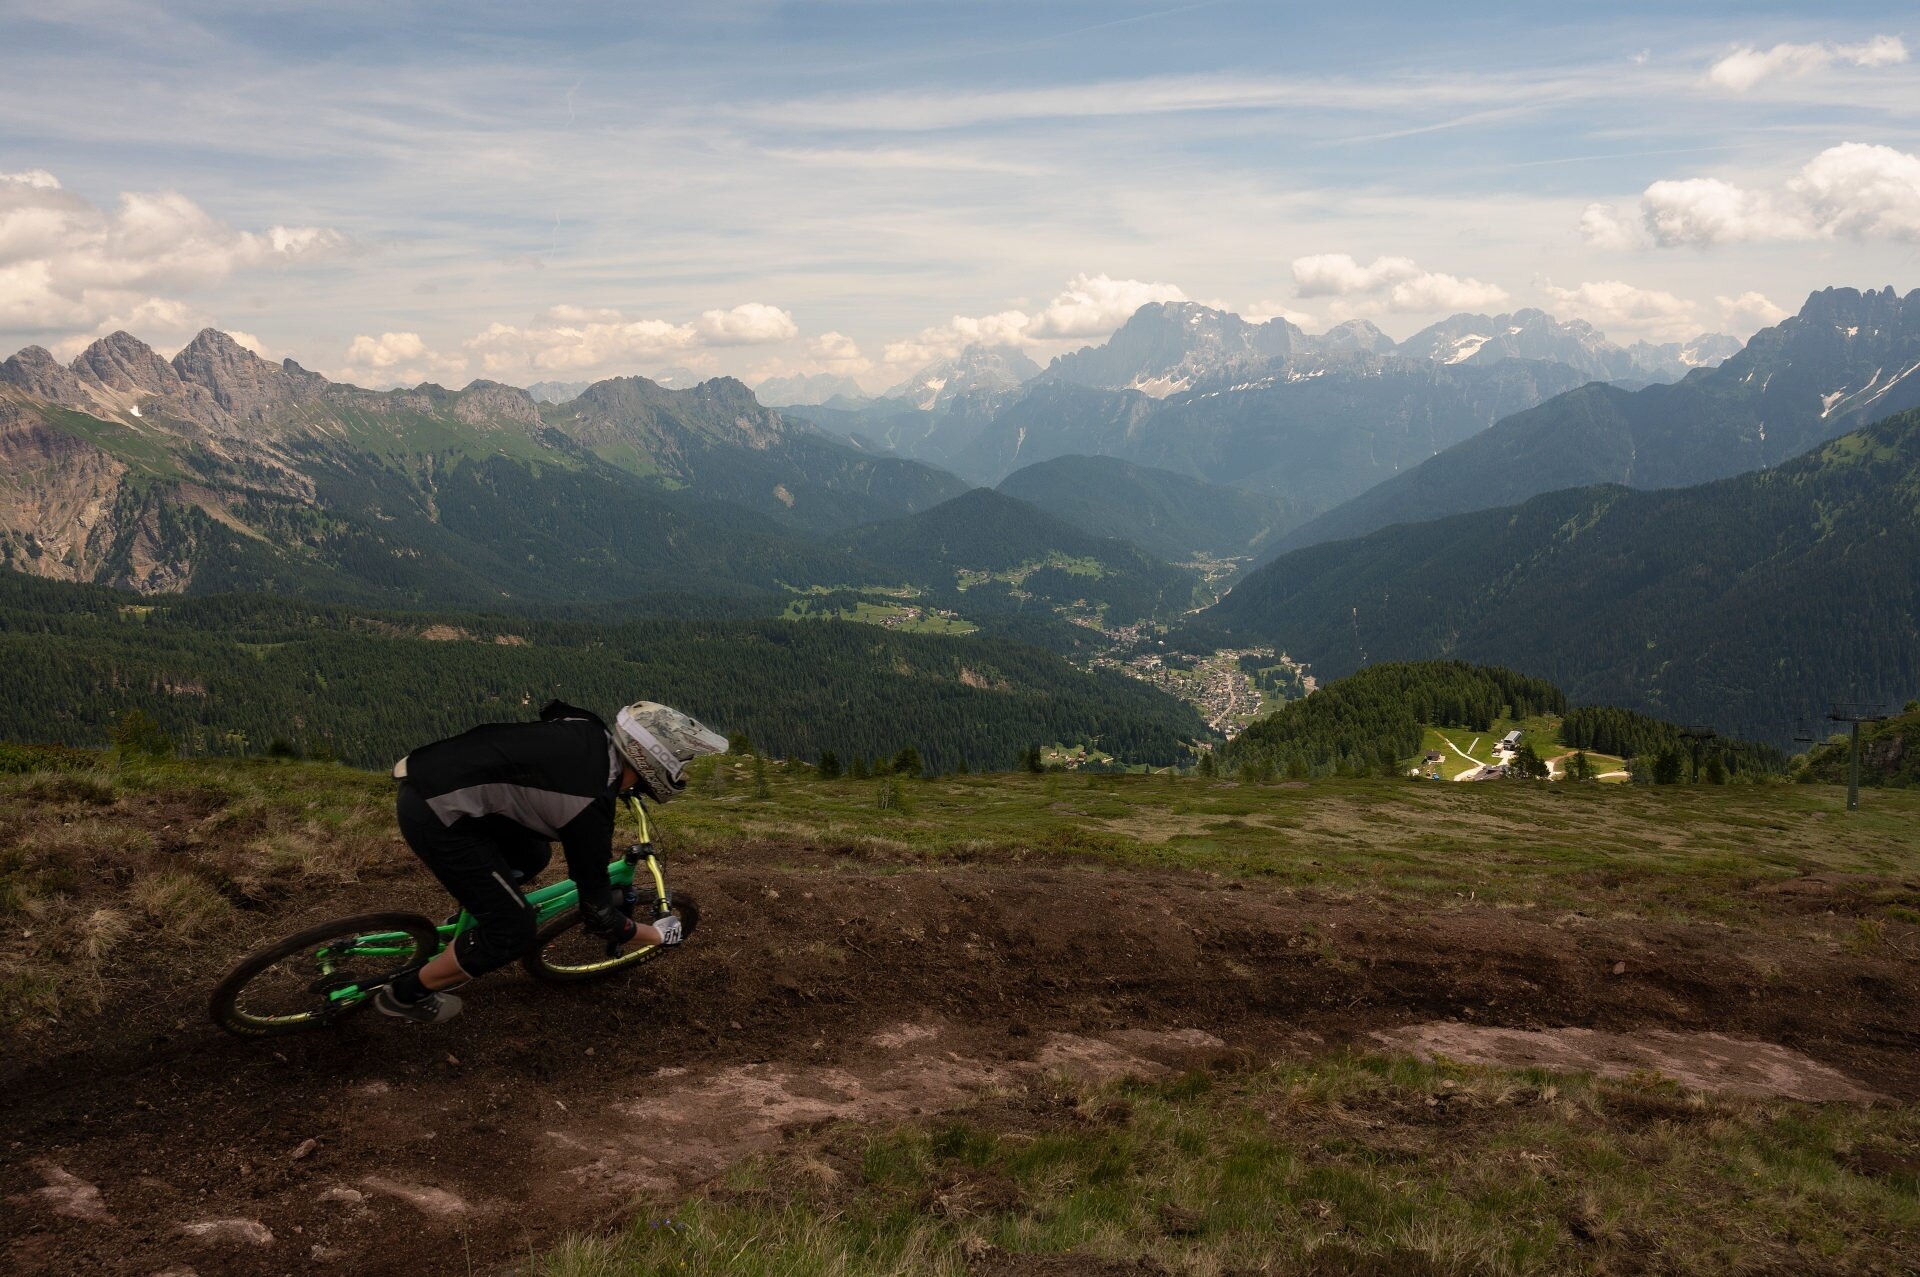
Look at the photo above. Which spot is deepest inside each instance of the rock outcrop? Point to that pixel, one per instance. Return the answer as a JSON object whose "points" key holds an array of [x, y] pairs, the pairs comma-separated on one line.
{"points": [[245, 386], [36, 372], [488, 403], [124, 362]]}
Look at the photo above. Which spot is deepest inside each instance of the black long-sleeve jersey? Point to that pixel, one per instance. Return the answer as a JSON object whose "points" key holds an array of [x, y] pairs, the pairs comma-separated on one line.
{"points": [[555, 779]]}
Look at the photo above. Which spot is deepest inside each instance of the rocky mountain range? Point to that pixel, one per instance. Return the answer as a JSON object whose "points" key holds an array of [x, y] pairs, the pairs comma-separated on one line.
{"points": [[1534, 334], [1308, 420], [1847, 358], [1167, 348], [219, 469], [807, 388], [976, 371]]}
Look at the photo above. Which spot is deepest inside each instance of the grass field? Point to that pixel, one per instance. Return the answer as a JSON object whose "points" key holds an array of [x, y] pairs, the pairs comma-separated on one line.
{"points": [[1688, 850], [1353, 1164], [1310, 1159]]}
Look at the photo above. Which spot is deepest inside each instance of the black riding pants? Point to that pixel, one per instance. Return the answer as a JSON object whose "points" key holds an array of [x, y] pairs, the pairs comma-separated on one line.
{"points": [[479, 862]]}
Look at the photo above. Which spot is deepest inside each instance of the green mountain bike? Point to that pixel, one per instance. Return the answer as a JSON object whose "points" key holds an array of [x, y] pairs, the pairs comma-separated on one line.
{"points": [[316, 977]]}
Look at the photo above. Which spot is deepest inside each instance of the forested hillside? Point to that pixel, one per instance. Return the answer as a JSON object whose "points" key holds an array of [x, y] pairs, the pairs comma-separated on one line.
{"points": [[1367, 721], [1748, 604], [1889, 753], [232, 674], [988, 553], [1168, 514]]}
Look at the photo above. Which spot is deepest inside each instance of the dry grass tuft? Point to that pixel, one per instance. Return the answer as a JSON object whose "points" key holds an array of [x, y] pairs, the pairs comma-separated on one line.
{"points": [[180, 903], [93, 788]]}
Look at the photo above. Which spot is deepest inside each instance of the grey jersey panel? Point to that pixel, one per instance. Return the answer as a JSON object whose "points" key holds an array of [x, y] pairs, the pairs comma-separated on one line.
{"points": [[540, 810]]}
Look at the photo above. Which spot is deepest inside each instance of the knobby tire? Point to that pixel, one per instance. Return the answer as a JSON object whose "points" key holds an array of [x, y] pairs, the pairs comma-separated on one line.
{"points": [[224, 1005], [541, 965]]}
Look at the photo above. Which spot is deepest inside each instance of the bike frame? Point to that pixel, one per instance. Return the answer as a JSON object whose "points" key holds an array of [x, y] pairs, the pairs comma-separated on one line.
{"points": [[548, 903]]}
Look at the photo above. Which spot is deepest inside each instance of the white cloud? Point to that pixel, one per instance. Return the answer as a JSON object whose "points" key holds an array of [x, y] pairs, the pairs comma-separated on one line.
{"points": [[248, 341], [1089, 306], [838, 348], [1398, 282], [752, 324], [1747, 66], [1604, 226], [397, 359], [1851, 191], [1435, 291], [386, 350], [1622, 308], [1095, 305], [1861, 192], [1706, 210], [67, 264], [1338, 275], [576, 339], [830, 352], [1749, 312], [1261, 311]]}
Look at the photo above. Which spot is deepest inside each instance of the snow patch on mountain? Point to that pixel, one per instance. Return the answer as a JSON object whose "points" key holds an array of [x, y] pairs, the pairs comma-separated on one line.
{"points": [[1467, 347]]}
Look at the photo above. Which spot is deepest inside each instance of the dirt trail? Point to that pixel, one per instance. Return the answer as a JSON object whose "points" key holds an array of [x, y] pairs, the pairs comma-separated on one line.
{"points": [[821, 988]]}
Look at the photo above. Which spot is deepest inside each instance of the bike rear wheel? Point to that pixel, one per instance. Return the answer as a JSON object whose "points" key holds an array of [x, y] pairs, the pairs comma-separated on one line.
{"points": [[314, 977], [565, 952]]}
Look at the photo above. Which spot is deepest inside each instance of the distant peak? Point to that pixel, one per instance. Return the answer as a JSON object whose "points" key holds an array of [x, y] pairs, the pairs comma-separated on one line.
{"points": [[34, 357], [124, 362], [119, 342], [37, 372], [213, 339]]}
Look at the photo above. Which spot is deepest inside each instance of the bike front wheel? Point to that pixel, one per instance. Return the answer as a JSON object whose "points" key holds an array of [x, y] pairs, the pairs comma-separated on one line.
{"points": [[314, 977], [565, 952]]}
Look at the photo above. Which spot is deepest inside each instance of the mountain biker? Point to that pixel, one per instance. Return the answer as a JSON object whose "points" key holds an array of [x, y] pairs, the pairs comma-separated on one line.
{"points": [[481, 809]]}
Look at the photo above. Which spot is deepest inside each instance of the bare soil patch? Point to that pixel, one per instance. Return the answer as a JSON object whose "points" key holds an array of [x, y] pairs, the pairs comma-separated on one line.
{"points": [[1714, 1062], [818, 990]]}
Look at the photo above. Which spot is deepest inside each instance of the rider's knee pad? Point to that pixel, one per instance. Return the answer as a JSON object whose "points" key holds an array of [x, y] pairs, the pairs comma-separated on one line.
{"points": [[496, 941]]}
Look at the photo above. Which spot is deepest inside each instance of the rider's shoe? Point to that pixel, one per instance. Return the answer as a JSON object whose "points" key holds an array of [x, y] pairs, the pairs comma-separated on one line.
{"points": [[432, 1009]]}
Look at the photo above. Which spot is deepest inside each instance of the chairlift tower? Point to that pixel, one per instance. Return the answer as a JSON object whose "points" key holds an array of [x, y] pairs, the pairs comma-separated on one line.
{"points": [[1856, 714], [1698, 734]]}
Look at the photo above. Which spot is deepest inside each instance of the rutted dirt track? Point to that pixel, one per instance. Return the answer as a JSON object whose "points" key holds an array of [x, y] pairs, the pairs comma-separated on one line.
{"points": [[821, 988]]}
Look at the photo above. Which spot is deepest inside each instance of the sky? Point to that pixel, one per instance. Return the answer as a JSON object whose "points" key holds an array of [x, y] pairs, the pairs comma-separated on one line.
{"points": [[395, 192]]}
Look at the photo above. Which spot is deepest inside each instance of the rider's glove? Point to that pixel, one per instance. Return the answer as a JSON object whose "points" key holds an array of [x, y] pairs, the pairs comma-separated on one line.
{"points": [[669, 928], [606, 921]]}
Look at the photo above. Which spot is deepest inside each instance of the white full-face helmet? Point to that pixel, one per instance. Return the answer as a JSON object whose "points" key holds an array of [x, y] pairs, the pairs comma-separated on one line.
{"points": [[659, 741]]}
